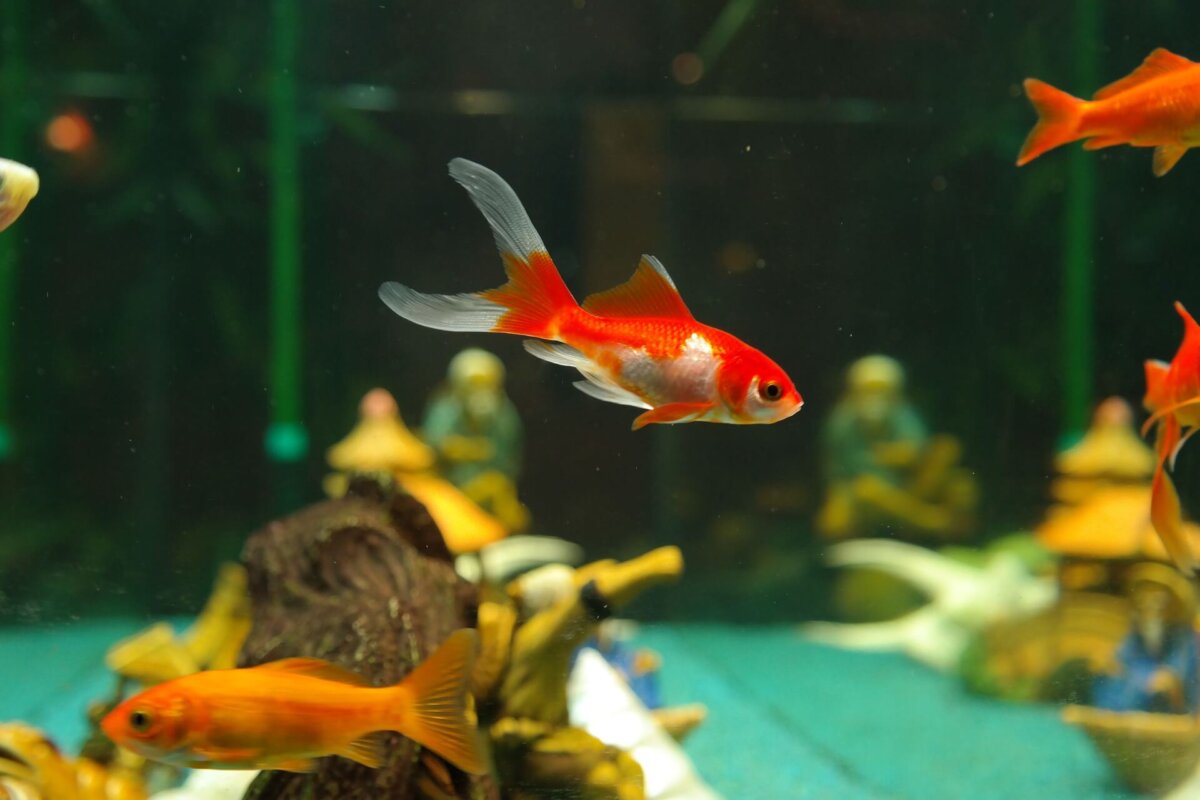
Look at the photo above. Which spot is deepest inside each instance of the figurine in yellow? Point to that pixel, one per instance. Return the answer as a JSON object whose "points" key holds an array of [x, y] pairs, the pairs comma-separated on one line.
{"points": [[1099, 521], [1110, 454], [885, 473], [34, 768], [156, 654], [477, 435], [522, 672], [381, 442]]}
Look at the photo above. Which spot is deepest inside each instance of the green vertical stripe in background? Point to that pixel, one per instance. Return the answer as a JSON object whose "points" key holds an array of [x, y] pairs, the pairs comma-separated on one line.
{"points": [[286, 438], [1079, 241], [12, 121]]}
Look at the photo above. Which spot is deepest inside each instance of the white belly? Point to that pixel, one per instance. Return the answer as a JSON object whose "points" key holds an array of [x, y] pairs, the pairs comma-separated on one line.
{"points": [[689, 378]]}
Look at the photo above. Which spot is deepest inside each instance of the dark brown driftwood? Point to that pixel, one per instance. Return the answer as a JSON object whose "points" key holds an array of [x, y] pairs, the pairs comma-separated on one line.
{"points": [[365, 582]]}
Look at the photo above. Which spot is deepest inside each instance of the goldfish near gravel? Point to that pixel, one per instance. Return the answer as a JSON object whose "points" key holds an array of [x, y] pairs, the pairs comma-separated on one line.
{"points": [[637, 345], [284, 714], [18, 185], [1157, 105], [1173, 398]]}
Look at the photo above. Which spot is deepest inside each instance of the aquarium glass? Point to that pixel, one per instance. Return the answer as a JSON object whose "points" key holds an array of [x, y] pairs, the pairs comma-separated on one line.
{"points": [[930, 582]]}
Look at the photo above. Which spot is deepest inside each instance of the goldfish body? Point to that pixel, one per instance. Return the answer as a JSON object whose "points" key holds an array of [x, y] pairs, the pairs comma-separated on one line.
{"points": [[1157, 105], [637, 345], [18, 185], [1173, 398], [284, 714]]}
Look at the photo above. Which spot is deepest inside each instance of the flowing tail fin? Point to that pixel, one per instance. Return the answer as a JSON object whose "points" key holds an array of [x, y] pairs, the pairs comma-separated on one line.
{"points": [[434, 712], [535, 297], [1166, 514], [1059, 115]]}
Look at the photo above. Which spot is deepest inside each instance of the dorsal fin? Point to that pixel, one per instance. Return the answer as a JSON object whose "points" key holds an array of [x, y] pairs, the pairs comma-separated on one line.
{"points": [[315, 668], [649, 293], [1157, 64]]}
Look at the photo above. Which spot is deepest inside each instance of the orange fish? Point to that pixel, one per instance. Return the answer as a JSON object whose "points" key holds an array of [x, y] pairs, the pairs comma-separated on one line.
{"points": [[1157, 105], [637, 345], [284, 714], [1173, 400]]}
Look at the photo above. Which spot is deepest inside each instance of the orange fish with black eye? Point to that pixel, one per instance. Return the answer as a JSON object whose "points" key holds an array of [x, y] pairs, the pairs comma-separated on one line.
{"points": [[284, 714], [1157, 105], [636, 345], [1173, 399]]}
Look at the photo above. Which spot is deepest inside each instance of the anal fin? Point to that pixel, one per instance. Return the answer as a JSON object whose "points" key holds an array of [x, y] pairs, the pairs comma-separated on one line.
{"points": [[672, 413], [367, 750], [602, 388], [296, 765], [1166, 157], [556, 353]]}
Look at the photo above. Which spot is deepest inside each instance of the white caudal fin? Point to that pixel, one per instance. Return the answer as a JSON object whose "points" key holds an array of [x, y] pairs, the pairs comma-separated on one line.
{"points": [[499, 203], [445, 312], [535, 296]]}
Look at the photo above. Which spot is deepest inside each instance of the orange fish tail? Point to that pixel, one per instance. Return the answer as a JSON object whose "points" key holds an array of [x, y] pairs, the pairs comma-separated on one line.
{"points": [[432, 706], [1059, 118], [534, 298]]}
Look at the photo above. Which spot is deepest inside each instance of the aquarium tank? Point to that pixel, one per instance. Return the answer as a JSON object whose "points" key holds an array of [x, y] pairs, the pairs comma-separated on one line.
{"points": [[574, 399]]}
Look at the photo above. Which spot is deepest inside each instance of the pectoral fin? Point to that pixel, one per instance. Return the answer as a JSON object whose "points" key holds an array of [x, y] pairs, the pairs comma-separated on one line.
{"points": [[672, 413], [1167, 156], [229, 756], [1101, 142]]}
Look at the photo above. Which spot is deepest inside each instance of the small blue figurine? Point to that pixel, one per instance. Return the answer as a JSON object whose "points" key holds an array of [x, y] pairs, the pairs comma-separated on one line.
{"points": [[638, 666], [1155, 666]]}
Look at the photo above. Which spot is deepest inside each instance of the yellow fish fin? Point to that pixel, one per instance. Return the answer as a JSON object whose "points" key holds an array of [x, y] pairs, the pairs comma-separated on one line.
{"points": [[295, 765], [367, 750], [315, 668], [1166, 157], [1160, 62], [434, 713]]}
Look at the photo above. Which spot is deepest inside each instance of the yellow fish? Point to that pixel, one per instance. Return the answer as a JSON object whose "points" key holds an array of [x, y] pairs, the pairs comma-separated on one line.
{"points": [[18, 185]]}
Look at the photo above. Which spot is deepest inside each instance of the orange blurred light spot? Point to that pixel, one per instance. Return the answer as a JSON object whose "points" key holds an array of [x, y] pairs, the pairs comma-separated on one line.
{"points": [[687, 68], [69, 132]]}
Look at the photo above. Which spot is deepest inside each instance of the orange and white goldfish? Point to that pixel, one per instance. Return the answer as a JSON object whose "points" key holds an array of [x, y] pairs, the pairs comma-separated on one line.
{"points": [[1173, 400], [1157, 105], [637, 344], [284, 714], [18, 185]]}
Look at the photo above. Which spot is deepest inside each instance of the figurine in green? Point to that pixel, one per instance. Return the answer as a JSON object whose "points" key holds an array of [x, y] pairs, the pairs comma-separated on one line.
{"points": [[885, 473], [474, 428]]}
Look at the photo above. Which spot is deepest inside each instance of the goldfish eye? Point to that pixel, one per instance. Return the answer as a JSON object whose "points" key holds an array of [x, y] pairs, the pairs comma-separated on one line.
{"points": [[140, 720], [770, 391]]}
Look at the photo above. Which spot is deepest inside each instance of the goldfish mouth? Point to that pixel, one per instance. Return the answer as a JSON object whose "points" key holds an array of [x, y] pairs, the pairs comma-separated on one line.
{"points": [[793, 411]]}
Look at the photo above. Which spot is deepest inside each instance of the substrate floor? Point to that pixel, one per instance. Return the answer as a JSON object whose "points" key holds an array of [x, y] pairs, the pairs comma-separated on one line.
{"points": [[787, 718]]}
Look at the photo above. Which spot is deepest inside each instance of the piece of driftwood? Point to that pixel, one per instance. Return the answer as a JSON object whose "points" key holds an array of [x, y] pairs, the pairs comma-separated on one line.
{"points": [[364, 581]]}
